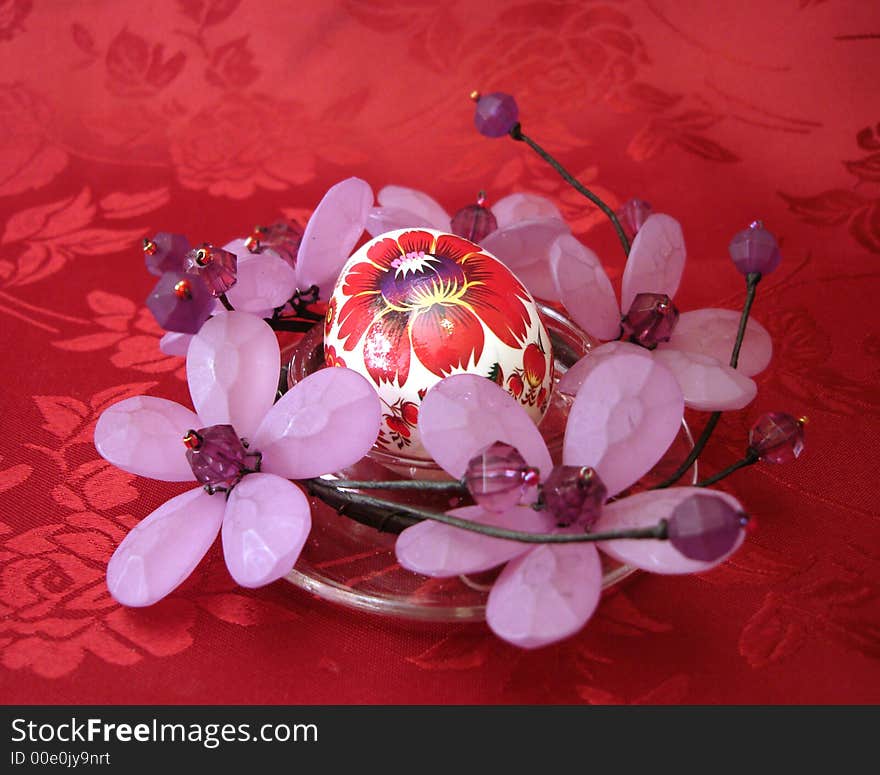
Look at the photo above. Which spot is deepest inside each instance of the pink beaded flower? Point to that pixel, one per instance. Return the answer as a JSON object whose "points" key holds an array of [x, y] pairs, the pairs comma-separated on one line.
{"points": [[518, 229], [237, 441], [695, 346], [625, 416], [287, 262]]}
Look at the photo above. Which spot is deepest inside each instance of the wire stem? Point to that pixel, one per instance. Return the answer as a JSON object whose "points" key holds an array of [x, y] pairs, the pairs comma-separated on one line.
{"points": [[225, 302], [750, 459], [402, 484], [517, 134]]}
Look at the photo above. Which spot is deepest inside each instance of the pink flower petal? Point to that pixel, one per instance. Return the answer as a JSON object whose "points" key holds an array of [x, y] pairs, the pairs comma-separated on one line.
{"points": [[232, 366], [584, 288], [266, 525], [707, 384], [385, 219], [546, 594], [324, 423], [264, 281], [144, 436], [656, 261], [626, 414], [571, 381], [524, 248], [164, 548], [435, 549], [175, 343], [463, 414], [428, 210], [646, 509], [713, 332], [331, 233], [523, 207]]}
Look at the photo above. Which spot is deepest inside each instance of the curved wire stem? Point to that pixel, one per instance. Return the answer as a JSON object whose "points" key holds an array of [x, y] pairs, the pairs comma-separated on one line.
{"points": [[517, 134]]}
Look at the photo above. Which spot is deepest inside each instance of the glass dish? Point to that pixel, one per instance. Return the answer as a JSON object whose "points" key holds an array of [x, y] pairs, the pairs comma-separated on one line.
{"points": [[354, 565]]}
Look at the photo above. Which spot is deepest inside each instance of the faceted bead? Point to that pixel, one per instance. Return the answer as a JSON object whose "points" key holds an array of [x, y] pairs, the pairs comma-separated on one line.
{"points": [[474, 222], [755, 250], [651, 319], [215, 454], [181, 302], [496, 114], [283, 237], [574, 495], [165, 252], [217, 267], [705, 528], [777, 438], [632, 214], [496, 477]]}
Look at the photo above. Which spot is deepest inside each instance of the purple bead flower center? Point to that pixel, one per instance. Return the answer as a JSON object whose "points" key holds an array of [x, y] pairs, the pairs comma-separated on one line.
{"points": [[218, 457], [651, 319]]}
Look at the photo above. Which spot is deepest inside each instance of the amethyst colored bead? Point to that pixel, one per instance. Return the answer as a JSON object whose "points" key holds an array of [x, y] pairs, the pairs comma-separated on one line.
{"points": [[474, 222], [632, 215], [217, 267], [705, 528], [650, 320], [216, 455], [497, 477], [181, 302], [496, 114], [754, 250], [574, 495], [165, 252], [777, 438], [283, 237]]}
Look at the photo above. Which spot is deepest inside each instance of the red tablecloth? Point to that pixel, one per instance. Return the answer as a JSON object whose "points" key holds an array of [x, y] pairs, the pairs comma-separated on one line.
{"points": [[206, 116]]}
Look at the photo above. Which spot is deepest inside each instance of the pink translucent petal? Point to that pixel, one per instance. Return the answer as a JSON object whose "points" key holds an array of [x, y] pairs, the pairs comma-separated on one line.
{"points": [[232, 368], [463, 414], [545, 595], [707, 384], [523, 207], [144, 436], [324, 423], [331, 233], [435, 549], [384, 219], [656, 261], [428, 210], [266, 525], [626, 414], [264, 281], [713, 332], [525, 248], [175, 343], [164, 548], [584, 288], [644, 510], [572, 380]]}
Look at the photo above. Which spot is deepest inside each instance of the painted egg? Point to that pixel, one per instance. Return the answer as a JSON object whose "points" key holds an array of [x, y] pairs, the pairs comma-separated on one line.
{"points": [[413, 306]]}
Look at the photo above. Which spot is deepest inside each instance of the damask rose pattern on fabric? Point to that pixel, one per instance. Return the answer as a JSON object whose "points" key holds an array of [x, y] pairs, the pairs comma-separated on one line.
{"points": [[101, 145]]}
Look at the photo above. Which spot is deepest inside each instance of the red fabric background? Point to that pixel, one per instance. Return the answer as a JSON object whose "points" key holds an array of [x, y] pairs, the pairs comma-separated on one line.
{"points": [[207, 116]]}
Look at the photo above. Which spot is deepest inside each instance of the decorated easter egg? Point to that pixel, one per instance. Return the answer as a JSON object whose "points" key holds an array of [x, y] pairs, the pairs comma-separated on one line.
{"points": [[413, 306]]}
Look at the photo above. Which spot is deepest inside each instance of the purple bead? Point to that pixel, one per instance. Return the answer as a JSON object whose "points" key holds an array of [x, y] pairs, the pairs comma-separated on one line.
{"points": [[755, 250], [283, 237], [574, 495], [474, 222], [497, 477], [651, 319], [216, 455], [705, 528], [496, 114], [181, 302], [632, 215], [165, 252], [217, 267], [777, 438]]}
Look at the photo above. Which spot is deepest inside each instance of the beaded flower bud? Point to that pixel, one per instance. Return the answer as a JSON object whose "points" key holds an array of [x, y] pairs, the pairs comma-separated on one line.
{"points": [[181, 302], [754, 250], [165, 252], [777, 437], [496, 113], [217, 267]]}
